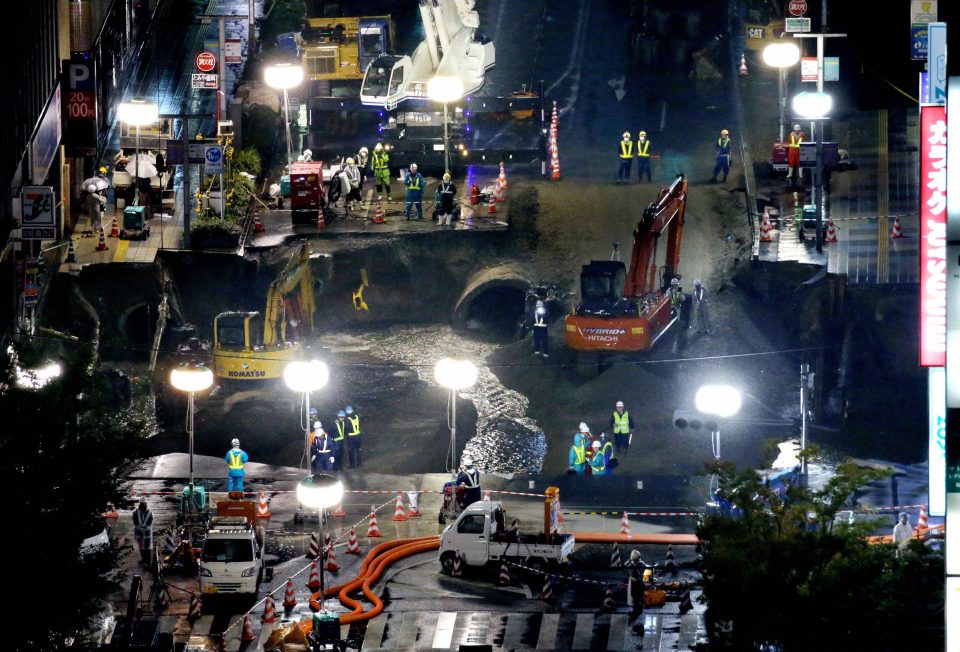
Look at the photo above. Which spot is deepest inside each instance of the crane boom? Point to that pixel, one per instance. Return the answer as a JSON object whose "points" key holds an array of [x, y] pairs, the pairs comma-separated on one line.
{"points": [[665, 212]]}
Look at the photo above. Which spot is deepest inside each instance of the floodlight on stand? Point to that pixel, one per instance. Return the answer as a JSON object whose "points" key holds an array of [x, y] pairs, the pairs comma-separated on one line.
{"points": [[812, 105], [455, 375]]}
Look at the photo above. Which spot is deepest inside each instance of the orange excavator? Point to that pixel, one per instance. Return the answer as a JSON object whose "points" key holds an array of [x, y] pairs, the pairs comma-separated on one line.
{"points": [[623, 311]]}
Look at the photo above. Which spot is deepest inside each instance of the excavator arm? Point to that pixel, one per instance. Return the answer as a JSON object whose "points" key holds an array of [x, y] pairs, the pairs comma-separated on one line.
{"points": [[295, 276], [666, 213]]}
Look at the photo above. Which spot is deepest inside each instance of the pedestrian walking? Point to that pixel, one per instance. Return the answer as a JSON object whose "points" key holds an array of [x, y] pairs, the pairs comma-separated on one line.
{"points": [[143, 531], [577, 459], [609, 457], [414, 185], [643, 157], [598, 464], [94, 203], [340, 437], [635, 588], [625, 152], [902, 532], [354, 440], [793, 152], [621, 423], [381, 171], [236, 458], [541, 334], [469, 479], [446, 193], [701, 318], [724, 148], [322, 454]]}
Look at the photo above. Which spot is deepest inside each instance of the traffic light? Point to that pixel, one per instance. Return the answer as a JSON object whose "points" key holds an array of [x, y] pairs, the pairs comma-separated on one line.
{"points": [[683, 419]]}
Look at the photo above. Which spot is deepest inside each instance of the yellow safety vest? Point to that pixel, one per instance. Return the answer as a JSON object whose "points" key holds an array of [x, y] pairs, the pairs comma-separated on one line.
{"points": [[598, 462], [340, 426], [795, 140], [626, 149], [643, 149], [607, 446], [621, 423], [413, 182], [236, 461], [581, 453], [380, 162], [355, 421]]}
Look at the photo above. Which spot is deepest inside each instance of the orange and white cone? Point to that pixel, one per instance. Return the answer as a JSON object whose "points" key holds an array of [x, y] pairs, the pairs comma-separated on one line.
{"points": [[503, 177], [313, 550], [373, 531], [922, 523], [399, 514], [766, 228], [263, 506], [353, 546], [314, 582], [321, 222], [195, 608], [486, 494], [831, 232], [289, 596], [247, 633], [413, 511], [114, 229], [555, 163], [269, 611], [743, 66], [498, 192], [378, 216], [492, 206], [546, 593], [897, 231], [338, 511], [554, 117], [257, 224], [608, 599], [504, 575], [102, 244], [332, 564], [457, 565], [625, 524]]}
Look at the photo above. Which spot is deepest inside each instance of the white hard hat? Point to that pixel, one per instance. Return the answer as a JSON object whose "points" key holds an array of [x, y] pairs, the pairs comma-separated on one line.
{"points": [[467, 461], [634, 555], [446, 176], [235, 442], [584, 427], [364, 150], [674, 281], [378, 147], [696, 283], [308, 153], [626, 134], [619, 403], [595, 444], [350, 161], [796, 127], [413, 166]]}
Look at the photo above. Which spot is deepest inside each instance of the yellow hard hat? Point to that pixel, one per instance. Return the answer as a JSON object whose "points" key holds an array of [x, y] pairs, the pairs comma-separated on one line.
{"points": [[626, 134], [724, 132], [103, 169], [378, 147], [643, 133]]}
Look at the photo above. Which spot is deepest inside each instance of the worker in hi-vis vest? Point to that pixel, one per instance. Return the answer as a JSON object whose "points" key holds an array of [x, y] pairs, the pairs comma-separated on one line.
{"points": [[236, 458], [625, 152], [621, 423]]}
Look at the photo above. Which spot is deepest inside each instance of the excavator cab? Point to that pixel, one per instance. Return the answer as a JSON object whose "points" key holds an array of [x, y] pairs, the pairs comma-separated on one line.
{"points": [[601, 289], [238, 331]]}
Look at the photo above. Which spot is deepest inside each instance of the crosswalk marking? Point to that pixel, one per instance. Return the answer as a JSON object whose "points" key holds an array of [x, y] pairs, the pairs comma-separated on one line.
{"points": [[234, 630], [513, 632], [477, 630], [444, 634], [548, 632], [583, 634], [408, 631], [202, 626], [373, 636], [617, 639]]}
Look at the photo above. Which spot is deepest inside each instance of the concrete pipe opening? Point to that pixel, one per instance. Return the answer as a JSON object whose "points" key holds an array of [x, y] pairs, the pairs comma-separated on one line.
{"points": [[137, 326], [492, 306]]}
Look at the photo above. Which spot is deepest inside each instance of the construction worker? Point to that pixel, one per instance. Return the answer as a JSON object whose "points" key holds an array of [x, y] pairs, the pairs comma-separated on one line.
{"points": [[577, 460], [621, 423], [340, 437], [143, 531], [312, 421], [469, 479], [635, 588], [94, 202], [350, 183], [609, 457], [598, 464], [381, 171], [724, 148], [625, 152], [793, 151], [354, 441], [700, 315], [363, 160], [902, 532], [414, 184], [446, 193], [236, 458], [675, 293], [541, 335], [643, 157], [322, 452]]}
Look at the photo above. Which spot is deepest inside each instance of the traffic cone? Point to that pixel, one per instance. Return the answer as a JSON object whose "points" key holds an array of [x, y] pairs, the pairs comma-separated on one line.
{"points": [[313, 550], [546, 593], [498, 193], [195, 608], [413, 511], [625, 524], [257, 224], [922, 523], [897, 231], [102, 244], [314, 582], [504, 575], [668, 563], [486, 494], [263, 506], [269, 611], [373, 531], [71, 252], [338, 511], [615, 557], [247, 633], [831, 232], [289, 596], [457, 565], [399, 514], [114, 229], [492, 206], [766, 228], [555, 163], [332, 564], [378, 216], [503, 177], [474, 194], [608, 599], [685, 603], [743, 66], [554, 118], [353, 546], [321, 222]]}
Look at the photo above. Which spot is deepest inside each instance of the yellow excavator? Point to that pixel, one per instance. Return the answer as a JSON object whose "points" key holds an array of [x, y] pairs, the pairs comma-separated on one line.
{"points": [[246, 347]]}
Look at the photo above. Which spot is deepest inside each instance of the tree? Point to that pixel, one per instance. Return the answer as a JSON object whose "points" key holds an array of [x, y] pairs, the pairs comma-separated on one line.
{"points": [[67, 449], [779, 572]]}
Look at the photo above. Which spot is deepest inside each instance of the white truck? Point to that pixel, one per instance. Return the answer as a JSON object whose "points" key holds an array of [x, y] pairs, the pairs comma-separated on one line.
{"points": [[480, 536], [231, 562]]}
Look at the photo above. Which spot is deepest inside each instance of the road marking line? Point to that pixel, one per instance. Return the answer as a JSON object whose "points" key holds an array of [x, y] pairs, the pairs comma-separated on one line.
{"points": [[617, 639], [121, 251], [548, 632], [583, 632], [445, 625]]}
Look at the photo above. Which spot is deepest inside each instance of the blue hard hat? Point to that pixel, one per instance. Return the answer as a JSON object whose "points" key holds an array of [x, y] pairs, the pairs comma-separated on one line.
{"points": [[341, 414], [313, 411], [349, 409]]}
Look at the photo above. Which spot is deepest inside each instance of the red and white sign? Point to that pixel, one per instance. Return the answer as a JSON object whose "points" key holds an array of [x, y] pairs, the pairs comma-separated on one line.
{"points": [[808, 69], [206, 62], [797, 7], [933, 235]]}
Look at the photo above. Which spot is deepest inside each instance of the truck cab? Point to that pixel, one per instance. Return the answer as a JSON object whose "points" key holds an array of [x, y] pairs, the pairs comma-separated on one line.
{"points": [[231, 561]]}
